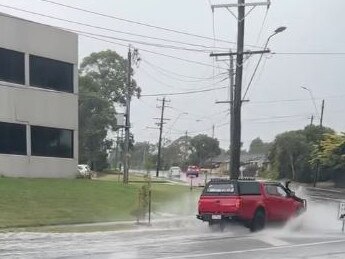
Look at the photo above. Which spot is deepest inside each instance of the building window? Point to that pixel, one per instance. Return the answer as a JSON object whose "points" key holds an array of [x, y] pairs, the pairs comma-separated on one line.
{"points": [[51, 142], [12, 138], [12, 66], [51, 74]]}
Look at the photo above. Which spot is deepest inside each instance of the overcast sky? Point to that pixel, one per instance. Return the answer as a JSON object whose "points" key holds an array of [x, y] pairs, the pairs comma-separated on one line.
{"points": [[277, 101]]}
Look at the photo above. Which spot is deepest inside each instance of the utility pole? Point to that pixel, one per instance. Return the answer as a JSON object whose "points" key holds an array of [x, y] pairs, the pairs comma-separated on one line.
{"points": [[311, 120], [127, 125], [231, 99], [235, 149], [317, 172], [236, 142], [231, 107], [136, 59], [116, 150], [321, 118], [186, 146], [160, 124]]}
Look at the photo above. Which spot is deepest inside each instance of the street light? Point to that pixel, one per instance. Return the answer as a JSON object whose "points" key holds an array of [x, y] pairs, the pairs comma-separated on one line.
{"points": [[174, 122], [278, 30], [312, 98]]}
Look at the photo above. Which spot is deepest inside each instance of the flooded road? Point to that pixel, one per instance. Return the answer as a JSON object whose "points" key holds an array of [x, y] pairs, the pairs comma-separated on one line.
{"points": [[317, 234]]}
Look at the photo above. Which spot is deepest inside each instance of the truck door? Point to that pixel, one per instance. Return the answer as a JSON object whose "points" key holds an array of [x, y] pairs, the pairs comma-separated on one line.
{"points": [[277, 202]]}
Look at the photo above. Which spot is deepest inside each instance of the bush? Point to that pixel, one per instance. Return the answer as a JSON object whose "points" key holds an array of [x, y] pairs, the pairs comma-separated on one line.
{"points": [[269, 174]]}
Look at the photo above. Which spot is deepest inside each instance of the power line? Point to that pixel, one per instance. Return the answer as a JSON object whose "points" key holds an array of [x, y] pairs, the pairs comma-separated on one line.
{"points": [[295, 100], [169, 73], [185, 93], [108, 29], [169, 85], [140, 23], [87, 35], [308, 53], [159, 45]]}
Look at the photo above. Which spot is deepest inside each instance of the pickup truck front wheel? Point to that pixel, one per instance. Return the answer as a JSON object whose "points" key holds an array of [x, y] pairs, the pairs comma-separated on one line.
{"points": [[259, 220]]}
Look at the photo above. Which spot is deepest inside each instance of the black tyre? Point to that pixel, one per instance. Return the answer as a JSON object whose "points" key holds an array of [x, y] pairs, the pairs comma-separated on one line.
{"points": [[259, 221]]}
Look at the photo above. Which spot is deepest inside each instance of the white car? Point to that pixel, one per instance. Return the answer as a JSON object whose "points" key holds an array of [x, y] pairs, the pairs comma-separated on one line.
{"points": [[84, 170], [175, 171]]}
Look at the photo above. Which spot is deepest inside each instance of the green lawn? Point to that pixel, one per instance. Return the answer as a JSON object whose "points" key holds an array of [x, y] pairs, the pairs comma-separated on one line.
{"points": [[35, 202]]}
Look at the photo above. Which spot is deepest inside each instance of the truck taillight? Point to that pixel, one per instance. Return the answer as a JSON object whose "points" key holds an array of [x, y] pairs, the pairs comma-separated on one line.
{"points": [[238, 203]]}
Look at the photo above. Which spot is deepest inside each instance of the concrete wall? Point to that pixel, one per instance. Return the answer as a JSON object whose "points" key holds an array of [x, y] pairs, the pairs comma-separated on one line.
{"points": [[36, 106]]}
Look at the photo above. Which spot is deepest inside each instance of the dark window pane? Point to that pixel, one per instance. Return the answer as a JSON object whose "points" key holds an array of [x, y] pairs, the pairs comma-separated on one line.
{"points": [[12, 138], [249, 188], [12, 66], [51, 142], [51, 74], [220, 187]]}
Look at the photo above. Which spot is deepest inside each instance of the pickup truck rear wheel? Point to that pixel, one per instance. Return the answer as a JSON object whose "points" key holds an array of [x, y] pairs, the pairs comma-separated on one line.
{"points": [[259, 220]]}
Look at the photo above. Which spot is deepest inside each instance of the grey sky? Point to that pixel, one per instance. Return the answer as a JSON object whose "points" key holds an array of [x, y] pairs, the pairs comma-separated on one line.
{"points": [[313, 26]]}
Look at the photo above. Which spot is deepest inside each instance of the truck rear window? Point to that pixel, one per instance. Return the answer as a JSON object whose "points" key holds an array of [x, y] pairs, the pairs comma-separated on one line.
{"points": [[249, 188], [220, 189]]}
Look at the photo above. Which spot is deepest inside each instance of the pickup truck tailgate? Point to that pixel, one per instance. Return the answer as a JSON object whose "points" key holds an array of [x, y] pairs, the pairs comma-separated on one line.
{"points": [[219, 204]]}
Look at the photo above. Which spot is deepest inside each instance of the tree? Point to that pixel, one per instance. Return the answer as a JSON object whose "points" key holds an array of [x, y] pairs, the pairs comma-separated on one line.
{"points": [[203, 147], [142, 154], [177, 152], [331, 152], [102, 82], [96, 117], [257, 146], [291, 153], [109, 71]]}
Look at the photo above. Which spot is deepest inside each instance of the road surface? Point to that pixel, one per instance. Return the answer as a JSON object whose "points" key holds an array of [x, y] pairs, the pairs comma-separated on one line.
{"points": [[316, 235]]}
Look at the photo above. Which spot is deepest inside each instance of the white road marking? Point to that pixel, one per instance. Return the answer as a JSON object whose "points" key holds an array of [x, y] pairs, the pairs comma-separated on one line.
{"points": [[325, 198], [273, 241], [327, 190], [253, 250]]}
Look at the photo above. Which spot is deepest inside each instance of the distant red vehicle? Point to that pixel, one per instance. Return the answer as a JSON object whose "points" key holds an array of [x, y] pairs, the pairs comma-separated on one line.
{"points": [[252, 203], [193, 171]]}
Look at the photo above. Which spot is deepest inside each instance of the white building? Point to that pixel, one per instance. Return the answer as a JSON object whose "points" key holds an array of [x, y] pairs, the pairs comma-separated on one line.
{"points": [[38, 100]]}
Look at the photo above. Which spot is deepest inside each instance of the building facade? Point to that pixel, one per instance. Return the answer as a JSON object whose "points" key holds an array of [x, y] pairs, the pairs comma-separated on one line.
{"points": [[38, 100]]}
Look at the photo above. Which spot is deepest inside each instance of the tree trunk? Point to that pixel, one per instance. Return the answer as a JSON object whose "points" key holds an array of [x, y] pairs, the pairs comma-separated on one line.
{"points": [[292, 168]]}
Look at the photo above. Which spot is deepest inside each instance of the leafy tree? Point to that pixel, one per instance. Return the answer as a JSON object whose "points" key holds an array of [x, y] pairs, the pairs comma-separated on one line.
{"points": [[203, 147], [102, 82], [177, 153], [257, 146], [142, 154], [109, 71], [331, 152], [96, 117], [291, 153]]}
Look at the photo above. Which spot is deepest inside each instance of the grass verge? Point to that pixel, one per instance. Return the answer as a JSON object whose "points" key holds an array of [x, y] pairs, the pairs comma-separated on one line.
{"points": [[41, 202]]}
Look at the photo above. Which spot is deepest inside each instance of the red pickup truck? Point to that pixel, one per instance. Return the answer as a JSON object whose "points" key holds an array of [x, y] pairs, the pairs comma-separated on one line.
{"points": [[248, 201]]}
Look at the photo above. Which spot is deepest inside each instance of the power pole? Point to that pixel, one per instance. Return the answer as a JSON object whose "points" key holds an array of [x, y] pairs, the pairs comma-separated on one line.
{"points": [[127, 125], [231, 106], [317, 172], [321, 118], [135, 57], [311, 120], [235, 149], [236, 142], [160, 124], [186, 146]]}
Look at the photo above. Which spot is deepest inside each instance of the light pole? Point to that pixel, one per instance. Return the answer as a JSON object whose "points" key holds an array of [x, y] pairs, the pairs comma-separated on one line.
{"points": [[317, 172], [278, 30], [312, 99], [174, 122]]}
